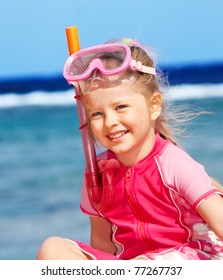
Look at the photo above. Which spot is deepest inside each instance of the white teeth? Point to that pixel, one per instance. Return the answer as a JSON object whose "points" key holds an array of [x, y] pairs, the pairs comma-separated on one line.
{"points": [[119, 134]]}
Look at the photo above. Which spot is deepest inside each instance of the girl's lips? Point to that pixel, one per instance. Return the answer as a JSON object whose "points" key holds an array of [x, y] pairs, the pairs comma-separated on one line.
{"points": [[118, 134]]}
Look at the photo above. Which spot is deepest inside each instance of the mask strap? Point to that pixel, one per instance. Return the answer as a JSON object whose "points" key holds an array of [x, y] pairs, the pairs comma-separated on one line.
{"points": [[142, 68]]}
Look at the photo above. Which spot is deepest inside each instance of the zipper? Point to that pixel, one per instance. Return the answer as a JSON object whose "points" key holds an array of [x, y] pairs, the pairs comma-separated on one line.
{"points": [[134, 206]]}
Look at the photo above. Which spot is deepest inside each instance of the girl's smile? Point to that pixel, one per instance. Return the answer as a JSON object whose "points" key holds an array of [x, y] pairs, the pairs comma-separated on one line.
{"points": [[117, 135]]}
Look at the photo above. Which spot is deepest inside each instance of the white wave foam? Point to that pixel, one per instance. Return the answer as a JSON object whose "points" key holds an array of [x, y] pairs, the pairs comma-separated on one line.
{"points": [[182, 92], [65, 98], [60, 98]]}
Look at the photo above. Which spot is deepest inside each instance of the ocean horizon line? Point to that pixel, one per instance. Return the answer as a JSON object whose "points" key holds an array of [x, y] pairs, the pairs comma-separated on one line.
{"points": [[196, 73]]}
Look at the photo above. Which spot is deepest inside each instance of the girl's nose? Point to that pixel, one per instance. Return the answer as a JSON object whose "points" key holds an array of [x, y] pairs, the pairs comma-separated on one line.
{"points": [[110, 120]]}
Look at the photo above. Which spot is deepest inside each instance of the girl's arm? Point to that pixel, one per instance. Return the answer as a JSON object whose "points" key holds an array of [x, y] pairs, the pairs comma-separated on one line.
{"points": [[101, 235], [211, 210]]}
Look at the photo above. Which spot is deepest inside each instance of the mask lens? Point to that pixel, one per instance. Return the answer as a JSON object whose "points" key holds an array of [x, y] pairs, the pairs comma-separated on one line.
{"points": [[80, 66], [112, 60]]}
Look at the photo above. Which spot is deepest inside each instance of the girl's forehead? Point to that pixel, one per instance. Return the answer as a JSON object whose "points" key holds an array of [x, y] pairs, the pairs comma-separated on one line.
{"points": [[115, 94], [102, 99], [127, 92]]}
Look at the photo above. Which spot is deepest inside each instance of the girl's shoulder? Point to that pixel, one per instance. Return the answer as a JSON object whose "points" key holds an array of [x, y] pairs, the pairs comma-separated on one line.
{"points": [[175, 156], [183, 174]]}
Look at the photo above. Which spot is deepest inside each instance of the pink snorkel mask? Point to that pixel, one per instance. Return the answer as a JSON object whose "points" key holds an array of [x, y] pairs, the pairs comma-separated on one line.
{"points": [[105, 62]]}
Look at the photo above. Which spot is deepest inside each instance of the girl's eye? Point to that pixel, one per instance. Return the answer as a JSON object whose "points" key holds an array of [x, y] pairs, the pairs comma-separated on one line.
{"points": [[95, 114], [121, 107]]}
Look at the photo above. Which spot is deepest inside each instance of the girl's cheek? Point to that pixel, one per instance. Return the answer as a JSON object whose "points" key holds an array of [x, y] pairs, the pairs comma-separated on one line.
{"points": [[94, 127]]}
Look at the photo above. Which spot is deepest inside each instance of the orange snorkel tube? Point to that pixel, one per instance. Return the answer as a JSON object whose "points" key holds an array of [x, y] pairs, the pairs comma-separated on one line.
{"points": [[93, 176], [72, 39]]}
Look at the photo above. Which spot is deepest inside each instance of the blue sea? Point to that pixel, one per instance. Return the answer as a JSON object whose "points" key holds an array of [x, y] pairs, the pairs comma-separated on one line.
{"points": [[41, 157]]}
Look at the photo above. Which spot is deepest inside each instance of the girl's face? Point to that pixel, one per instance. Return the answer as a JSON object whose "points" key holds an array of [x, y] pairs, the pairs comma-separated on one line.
{"points": [[123, 121]]}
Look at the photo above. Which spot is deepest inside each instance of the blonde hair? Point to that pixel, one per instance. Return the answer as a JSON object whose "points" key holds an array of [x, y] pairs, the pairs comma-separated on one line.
{"points": [[169, 121]]}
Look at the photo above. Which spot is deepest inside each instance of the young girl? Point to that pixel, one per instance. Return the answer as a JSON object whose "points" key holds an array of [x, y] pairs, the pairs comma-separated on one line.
{"points": [[162, 204]]}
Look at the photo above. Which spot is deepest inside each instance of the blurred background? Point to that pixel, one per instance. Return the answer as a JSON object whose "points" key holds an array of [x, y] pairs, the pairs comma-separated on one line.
{"points": [[41, 157]]}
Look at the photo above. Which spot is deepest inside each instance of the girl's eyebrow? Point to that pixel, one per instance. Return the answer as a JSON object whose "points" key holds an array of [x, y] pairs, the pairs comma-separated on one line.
{"points": [[122, 101], [113, 104]]}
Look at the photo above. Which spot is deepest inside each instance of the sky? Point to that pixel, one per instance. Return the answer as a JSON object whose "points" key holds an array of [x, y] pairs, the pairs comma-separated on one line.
{"points": [[33, 40]]}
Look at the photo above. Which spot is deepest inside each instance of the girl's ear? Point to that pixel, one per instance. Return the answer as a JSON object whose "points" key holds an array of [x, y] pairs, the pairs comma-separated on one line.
{"points": [[156, 105]]}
